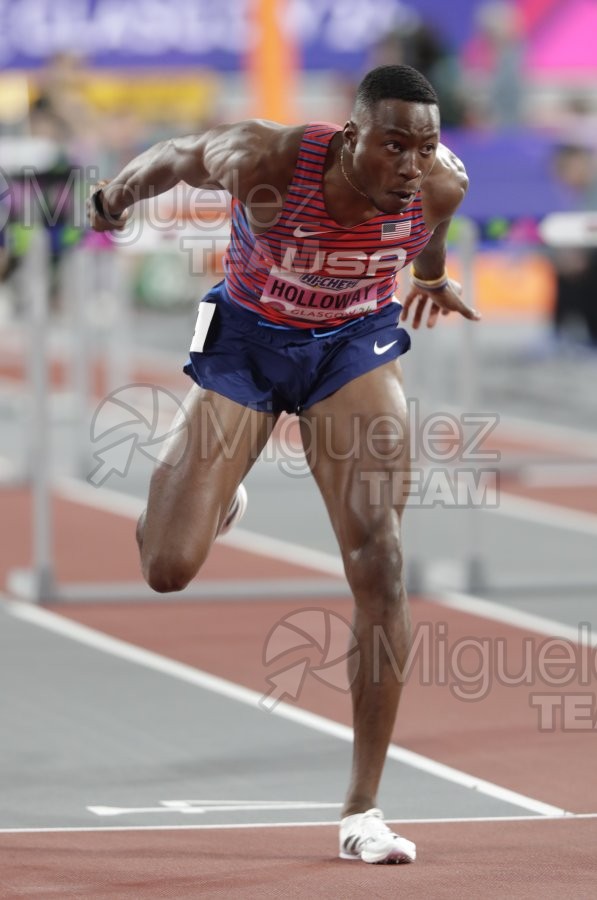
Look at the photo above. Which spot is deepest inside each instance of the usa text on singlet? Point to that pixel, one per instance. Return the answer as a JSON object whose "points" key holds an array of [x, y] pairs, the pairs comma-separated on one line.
{"points": [[307, 270]]}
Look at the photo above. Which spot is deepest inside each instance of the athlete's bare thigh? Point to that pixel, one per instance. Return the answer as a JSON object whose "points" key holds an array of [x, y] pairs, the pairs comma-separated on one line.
{"points": [[215, 444]]}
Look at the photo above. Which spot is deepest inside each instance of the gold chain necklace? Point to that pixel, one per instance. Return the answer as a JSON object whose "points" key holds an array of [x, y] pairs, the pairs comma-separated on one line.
{"points": [[344, 172]]}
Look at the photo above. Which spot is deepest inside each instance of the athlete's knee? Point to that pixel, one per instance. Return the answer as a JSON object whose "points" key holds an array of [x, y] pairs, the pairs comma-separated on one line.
{"points": [[169, 565], [378, 553], [169, 571], [375, 570]]}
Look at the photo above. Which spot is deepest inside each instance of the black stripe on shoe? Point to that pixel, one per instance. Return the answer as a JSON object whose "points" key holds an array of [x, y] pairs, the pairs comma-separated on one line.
{"points": [[351, 844]]}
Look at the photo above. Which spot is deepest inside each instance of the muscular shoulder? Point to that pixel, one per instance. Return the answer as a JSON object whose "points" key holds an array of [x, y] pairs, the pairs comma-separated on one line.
{"points": [[252, 156], [444, 188]]}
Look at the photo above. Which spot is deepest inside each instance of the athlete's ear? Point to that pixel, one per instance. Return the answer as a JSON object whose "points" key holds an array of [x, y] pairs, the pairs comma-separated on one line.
{"points": [[350, 132]]}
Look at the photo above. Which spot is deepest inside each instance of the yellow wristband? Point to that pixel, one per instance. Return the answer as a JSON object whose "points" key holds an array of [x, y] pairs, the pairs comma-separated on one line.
{"points": [[435, 284]]}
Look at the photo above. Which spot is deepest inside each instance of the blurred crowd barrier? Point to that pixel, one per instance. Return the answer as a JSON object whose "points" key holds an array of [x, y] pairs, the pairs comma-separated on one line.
{"points": [[178, 239], [85, 85], [99, 352], [515, 78], [76, 297]]}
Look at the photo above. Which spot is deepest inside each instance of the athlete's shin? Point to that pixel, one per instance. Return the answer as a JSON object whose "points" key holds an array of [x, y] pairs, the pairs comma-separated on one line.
{"points": [[383, 632]]}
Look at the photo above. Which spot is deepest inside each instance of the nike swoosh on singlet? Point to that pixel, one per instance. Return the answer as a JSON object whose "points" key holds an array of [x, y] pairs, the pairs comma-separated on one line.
{"points": [[379, 350], [299, 233]]}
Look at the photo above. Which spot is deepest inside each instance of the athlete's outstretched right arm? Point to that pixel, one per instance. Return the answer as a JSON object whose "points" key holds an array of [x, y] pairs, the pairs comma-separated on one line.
{"points": [[236, 158]]}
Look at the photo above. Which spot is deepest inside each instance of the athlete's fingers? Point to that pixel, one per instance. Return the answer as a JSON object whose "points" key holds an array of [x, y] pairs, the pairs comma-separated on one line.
{"points": [[419, 311], [451, 301], [408, 302], [434, 315], [97, 186], [467, 311], [105, 222], [460, 306], [410, 306], [91, 210], [414, 303]]}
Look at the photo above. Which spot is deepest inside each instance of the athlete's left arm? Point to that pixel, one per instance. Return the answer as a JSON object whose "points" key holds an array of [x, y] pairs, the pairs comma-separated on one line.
{"points": [[443, 192]]}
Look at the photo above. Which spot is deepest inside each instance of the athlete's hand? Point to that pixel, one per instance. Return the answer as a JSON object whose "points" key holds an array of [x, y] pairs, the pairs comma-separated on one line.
{"points": [[434, 303], [105, 222]]}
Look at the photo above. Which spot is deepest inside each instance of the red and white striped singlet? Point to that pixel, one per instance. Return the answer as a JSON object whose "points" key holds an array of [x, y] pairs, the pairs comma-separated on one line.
{"points": [[307, 270]]}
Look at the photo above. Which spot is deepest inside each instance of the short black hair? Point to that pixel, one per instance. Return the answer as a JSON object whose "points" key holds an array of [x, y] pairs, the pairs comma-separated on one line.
{"points": [[394, 83]]}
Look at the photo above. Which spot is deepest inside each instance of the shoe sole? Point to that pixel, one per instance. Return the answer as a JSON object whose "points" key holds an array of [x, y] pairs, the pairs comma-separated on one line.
{"points": [[392, 859], [241, 501], [396, 855]]}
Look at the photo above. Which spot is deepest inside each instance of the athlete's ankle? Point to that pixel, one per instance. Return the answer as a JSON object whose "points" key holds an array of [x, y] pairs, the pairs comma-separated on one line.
{"points": [[355, 805]]}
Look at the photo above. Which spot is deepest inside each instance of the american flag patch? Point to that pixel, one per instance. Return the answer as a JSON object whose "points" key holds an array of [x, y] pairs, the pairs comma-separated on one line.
{"points": [[392, 230]]}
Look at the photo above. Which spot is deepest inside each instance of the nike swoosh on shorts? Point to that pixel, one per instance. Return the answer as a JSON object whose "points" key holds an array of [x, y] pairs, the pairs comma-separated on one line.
{"points": [[379, 350]]}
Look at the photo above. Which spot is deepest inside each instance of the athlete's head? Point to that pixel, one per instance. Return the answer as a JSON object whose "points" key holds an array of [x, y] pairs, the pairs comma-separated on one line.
{"points": [[392, 135], [394, 83]]}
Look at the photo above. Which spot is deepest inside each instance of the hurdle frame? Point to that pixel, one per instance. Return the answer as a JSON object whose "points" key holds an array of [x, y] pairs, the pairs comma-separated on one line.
{"points": [[39, 584]]}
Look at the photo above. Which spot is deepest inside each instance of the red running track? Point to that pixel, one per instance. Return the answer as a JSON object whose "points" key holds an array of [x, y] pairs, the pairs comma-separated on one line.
{"points": [[496, 737], [489, 860]]}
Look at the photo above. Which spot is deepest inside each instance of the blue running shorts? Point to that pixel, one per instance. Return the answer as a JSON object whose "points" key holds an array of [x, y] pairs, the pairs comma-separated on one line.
{"points": [[274, 368]]}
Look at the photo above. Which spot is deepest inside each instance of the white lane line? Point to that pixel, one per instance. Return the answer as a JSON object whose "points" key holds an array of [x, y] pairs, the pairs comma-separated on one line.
{"points": [[550, 476], [555, 437], [113, 501], [547, 514], [511, 505], [92, 638], [497, 612], [125, 505], [103, 498], [227, 826], [329, 564], [184, 807], [284, 550]]}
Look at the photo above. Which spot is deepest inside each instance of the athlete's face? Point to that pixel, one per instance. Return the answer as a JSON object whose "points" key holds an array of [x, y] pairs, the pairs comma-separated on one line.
{"points": [[394, 147]]}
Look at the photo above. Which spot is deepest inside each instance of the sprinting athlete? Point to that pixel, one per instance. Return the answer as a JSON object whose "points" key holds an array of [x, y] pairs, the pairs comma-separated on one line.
{"points": [[323, 219]]}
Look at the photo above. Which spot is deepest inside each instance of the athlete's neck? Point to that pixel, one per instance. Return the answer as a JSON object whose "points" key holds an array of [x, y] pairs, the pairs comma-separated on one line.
{"points": [[347, 177], [345, 202]]}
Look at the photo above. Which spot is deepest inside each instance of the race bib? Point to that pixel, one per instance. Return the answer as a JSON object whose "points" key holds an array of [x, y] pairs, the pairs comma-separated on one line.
{"points": [[317, 298]]}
